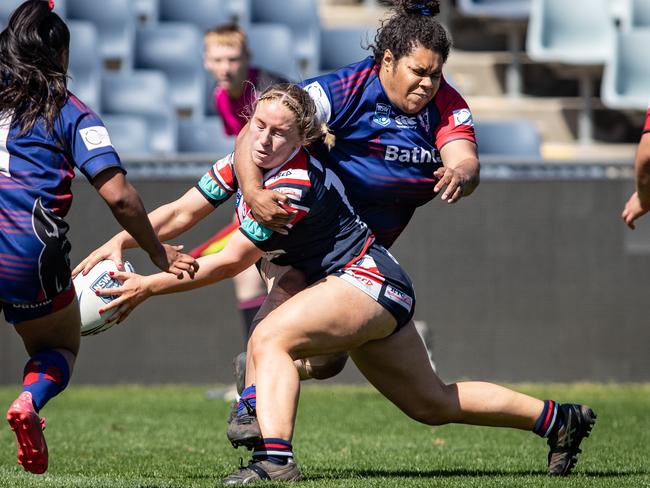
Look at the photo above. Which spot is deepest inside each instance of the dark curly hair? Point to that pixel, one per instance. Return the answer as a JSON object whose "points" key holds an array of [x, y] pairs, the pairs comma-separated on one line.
{"points": [[413, 22], [34, 51]]}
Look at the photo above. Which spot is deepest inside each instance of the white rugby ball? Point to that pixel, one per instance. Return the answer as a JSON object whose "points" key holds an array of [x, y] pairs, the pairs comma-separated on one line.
{"points": [[98, 278]]}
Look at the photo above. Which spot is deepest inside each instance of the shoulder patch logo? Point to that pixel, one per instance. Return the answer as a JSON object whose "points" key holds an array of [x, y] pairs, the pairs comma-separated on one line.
{"points": [[463, 117], [382, 114], [95, 137]]}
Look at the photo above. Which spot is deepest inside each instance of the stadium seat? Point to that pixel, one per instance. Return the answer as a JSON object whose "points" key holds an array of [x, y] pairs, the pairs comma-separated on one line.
{"points": [[640, 13], [514, 138], [511, 17], [204, 136], [147, 11], [85, 70], [272, 46], [625, 82], [343, 46], [147, 94], [7, 7], [301, 16], [205, 14], [176, 49], [115, 21], [505, 9], [579, 33], [129, 134]]}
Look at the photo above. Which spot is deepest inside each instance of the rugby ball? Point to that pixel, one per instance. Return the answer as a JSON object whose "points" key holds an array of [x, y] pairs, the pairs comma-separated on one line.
{"points": [[98, 278]]}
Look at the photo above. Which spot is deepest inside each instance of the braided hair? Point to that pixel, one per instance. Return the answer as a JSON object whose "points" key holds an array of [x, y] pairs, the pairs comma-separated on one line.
{"points": [[34, 51], [413, 22]]}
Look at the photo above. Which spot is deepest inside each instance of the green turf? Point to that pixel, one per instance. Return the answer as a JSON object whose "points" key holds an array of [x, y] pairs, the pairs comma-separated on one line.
{"points": [[151, 437]]}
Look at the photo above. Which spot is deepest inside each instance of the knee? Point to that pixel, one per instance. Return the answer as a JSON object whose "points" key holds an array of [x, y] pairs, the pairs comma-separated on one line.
{"points": [[327, 368]]}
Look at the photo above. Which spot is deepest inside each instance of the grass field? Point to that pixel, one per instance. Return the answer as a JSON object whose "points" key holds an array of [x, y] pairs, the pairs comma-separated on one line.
{"points": [[154, 437]]}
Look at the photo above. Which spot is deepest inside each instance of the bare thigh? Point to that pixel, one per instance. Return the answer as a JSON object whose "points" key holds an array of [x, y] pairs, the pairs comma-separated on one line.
{"points": [[399, 367], [58, 330], [331, 316]]}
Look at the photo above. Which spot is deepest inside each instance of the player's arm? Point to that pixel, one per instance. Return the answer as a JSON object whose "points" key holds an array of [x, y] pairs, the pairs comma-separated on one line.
{"points": [[126, 206], [460, 173], [168, 221], [239, 254], [266, 205], [639, 203]]}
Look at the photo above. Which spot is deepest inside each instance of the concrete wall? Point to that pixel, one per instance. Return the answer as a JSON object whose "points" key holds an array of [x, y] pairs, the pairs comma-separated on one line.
{"points": [[524, 281]]}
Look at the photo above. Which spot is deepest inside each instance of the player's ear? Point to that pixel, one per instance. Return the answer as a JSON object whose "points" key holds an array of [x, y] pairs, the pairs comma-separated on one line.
{"points": [[388, 59]]}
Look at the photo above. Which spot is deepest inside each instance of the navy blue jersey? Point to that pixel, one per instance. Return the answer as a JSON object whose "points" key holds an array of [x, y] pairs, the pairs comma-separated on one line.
{"points": [[385, 157], [325, 234], [36, 171]]}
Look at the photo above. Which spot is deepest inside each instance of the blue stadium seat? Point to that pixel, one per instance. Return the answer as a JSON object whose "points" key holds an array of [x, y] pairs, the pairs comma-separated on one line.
{"points": [[626, 82], [514, 138], [202, 13], [129, 134], [147, 94], [176, 49], [343, 46], [204, 136], [579, 32], [505, 9], [146, 11], [271, 46], [301, 16], [115, 21], [85, 69], [640, 13], [7, 7]]}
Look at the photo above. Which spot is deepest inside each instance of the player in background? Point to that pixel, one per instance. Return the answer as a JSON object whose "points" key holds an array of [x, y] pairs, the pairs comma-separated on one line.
{"points": [[403, 135], [45, 132], [227, 58], [639, 202]]}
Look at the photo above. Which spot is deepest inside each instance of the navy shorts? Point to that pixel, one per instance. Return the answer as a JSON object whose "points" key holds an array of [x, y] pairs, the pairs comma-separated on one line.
{"points": [[34, 264], [378, 274]]}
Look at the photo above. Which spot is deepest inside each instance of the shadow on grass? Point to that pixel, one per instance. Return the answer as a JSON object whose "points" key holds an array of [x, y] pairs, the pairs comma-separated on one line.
{"points": [[451, 473]]}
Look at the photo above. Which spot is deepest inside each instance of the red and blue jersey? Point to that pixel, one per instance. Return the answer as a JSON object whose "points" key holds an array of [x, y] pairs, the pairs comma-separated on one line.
{"points": [[324, 235], [36, 171], [385, 157]]}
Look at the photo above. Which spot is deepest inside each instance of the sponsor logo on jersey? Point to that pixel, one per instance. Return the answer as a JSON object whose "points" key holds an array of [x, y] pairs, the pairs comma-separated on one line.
{"points": [[382, 114], [95, 137], [463, 117], [406, 122], [323, 106], [399, 297], [104, 281], [414, 155], [423, 118]]}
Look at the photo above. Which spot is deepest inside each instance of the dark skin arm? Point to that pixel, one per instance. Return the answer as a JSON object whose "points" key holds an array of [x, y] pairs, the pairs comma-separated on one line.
{"points": [[639, 202]]}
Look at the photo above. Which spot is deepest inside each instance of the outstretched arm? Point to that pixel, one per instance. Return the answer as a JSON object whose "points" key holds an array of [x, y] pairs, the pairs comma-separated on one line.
{"points": [[168, 221], [239, 254], [639, 203], [460, 174], [129, 211], [266, 205]]}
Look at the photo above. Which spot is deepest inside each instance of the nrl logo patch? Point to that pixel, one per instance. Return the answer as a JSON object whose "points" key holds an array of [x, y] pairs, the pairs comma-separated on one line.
{"points": [[382, 114]]}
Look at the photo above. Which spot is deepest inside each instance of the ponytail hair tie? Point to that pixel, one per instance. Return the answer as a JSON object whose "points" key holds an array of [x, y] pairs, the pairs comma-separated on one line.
{"points": [[421, 9], [50, 3]]}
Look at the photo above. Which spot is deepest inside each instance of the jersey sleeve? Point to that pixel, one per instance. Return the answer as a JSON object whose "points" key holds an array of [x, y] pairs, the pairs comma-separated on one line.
{"points": [[89, 142], [334, 93], [456, 120], [295, 184], [218, 183]]}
